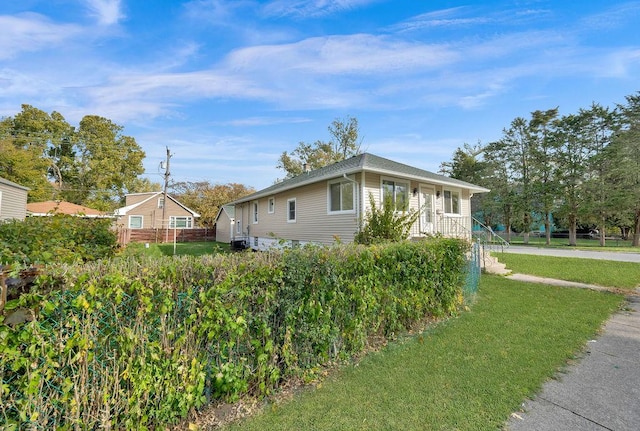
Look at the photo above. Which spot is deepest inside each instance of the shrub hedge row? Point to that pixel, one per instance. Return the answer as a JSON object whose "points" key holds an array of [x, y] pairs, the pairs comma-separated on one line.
{"points": [[58, 238], [140, 343]]}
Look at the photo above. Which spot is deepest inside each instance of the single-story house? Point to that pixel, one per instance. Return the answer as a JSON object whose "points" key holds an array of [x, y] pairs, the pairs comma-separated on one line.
{"points": [[225, 221], [329, 204], [13, 200], [146, 211], [47, 208]]}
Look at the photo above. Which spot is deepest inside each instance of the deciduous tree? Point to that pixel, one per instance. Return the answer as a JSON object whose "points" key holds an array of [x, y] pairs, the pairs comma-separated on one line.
{"points": [[345, 144], [206, 198]]}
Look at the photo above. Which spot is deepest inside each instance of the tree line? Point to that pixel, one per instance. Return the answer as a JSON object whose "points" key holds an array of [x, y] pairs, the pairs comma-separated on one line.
{"points": [[94, 164], [570, 171]]}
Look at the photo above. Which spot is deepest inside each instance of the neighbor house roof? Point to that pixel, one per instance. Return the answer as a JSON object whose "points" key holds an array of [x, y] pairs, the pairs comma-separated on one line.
{"points": [[61, 207], [124, 210], [364, 162], [12, 184]]}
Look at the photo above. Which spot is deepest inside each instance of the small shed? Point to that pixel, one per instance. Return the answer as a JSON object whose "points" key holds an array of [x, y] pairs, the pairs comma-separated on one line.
{"points": [[13, 200], [225, 222]]}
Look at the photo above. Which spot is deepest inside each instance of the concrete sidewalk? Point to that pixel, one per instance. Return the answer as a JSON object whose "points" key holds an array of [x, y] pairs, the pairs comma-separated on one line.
{"points": [[600, 392]]}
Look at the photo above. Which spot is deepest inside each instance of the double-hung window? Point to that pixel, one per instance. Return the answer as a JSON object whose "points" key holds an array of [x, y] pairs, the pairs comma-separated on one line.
{"points": [[341, 196], [180, 222], [451, 201], [291, 210], [135, 222], [398, 192]]}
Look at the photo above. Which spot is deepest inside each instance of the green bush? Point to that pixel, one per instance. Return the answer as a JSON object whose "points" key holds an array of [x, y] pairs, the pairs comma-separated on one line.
{"points": [[139, 343], [59, 238], [386, 223]]}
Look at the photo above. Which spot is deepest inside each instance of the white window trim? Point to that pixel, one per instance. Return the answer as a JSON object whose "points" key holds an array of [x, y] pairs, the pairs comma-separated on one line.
{"points": [[172, 222], [271, 205], [238, 227], [294, 220], [255, 210], [141, 221], [396, 181], [444, 206], [340, 181], [161, 202]]}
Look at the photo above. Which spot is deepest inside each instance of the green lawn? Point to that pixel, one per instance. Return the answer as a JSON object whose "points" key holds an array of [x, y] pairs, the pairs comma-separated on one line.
{"points": [[181, 248], [467, 373], [585, 244], [624, 275]]}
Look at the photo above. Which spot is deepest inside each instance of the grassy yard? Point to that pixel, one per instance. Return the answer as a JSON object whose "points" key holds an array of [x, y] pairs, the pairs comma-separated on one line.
{"points": [[586, 244], [182, 248], [624, 275], [466, 373]]}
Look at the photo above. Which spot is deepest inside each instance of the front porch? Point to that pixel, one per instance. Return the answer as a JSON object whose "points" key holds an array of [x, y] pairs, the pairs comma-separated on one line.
{"points": [[441, 224]]}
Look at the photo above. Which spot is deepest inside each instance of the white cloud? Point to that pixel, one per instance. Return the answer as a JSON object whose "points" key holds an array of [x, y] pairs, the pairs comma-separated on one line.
{"points": [[30, 32], [336, 55], [613, 17], [312, 8], [263, 121], [107, 12]]}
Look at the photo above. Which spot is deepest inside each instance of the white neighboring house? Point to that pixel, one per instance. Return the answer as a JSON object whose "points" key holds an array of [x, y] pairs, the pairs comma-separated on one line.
{"points": [[13, 200], [328, 204], [146, 211], [225, 222]]}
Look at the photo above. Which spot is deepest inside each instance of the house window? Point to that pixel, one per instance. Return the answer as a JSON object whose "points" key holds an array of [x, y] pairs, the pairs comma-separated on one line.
{"points": [[272, 205], [135, 222], [291, 210], [255, 212], [341, 196], [180, 222], [398, 192], [160, 202], [451, 202], [238, 227]]}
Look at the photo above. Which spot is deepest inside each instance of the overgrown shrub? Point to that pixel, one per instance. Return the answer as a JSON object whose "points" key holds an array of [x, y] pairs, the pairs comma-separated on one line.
{"points": [[59, 238], [140, 343], [386, 223]]}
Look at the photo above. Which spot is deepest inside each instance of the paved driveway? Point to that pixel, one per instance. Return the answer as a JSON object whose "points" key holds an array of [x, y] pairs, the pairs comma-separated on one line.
{"points": [[567, 252]]}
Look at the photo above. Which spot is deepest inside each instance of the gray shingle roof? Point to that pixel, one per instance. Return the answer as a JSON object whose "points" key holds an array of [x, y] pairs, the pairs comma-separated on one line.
{"points": [[364, 162]]}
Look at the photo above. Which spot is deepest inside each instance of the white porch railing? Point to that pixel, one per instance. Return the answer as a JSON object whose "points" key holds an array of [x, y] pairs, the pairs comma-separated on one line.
{"points": [[449, 226]]}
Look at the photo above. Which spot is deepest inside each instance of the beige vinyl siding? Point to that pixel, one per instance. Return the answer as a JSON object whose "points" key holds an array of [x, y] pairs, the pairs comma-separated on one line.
{"points": [[224, 228], [152, 215], [313, 223], [373, 184], [135, 198], [13, 202]]}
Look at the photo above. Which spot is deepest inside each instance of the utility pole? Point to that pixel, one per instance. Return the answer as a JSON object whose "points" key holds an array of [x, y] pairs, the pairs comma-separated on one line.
{"points": [[167, 174]]}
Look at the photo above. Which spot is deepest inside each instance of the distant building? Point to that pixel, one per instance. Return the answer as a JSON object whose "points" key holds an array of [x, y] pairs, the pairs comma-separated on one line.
{"points": [[13, 200], [48, 208], [145, 211]]}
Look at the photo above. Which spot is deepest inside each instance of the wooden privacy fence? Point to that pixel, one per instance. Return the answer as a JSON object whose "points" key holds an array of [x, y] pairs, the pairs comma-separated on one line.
{"points": [[156, 235]]}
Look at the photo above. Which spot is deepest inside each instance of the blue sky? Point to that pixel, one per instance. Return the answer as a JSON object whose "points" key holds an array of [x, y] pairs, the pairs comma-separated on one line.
{"points": [[228, 85]]}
